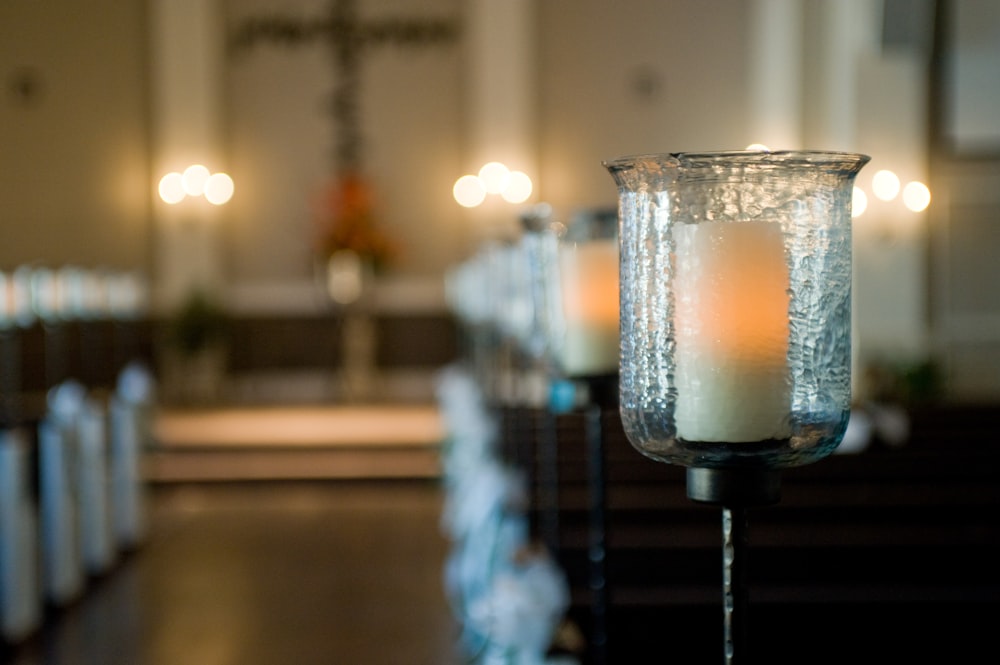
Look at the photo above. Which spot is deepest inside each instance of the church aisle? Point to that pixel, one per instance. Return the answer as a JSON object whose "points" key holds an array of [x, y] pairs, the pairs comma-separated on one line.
{"points": [[269, 573]]}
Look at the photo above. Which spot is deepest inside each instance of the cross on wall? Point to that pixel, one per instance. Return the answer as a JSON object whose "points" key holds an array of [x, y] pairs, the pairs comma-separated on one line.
{"points": [[350, 36]]}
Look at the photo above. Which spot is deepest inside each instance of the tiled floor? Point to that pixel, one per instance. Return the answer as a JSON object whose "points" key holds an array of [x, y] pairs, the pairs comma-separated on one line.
{"points": [[272, 573]]}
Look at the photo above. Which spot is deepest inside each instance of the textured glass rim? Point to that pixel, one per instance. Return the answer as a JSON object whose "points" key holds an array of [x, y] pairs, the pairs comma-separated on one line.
{"points": [[833, 160]]}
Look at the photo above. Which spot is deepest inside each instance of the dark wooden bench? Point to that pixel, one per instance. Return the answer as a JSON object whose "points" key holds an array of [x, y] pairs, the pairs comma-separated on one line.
{"points": [[886, 553]]}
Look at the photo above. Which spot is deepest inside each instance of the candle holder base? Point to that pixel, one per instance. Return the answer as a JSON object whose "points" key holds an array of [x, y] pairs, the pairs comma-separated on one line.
{"points": [[734, 487]]}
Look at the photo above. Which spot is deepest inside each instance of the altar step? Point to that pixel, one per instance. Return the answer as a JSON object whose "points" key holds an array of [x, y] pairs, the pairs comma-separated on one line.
{"points": [[290, 443]]}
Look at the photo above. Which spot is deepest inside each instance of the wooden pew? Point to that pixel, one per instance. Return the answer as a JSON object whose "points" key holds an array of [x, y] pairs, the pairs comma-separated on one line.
{"points": [[888, 553]]}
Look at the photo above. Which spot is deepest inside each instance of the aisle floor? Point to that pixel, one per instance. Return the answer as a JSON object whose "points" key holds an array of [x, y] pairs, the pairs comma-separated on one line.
{"points": [[268, 573]]}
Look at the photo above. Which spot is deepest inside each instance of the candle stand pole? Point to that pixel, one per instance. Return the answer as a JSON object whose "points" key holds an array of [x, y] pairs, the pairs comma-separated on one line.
{"points": [[590, 397], [547, 461], [593, 422], [602, 392], [735, 490]]}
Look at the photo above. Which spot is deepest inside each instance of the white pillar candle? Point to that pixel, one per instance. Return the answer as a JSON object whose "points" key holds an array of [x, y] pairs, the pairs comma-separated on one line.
{"points": [[731, 317], [589, 280]]}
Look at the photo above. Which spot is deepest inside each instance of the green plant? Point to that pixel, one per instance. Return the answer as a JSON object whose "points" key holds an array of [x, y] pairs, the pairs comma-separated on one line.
{"points": [[905, 381], [199, 323]]}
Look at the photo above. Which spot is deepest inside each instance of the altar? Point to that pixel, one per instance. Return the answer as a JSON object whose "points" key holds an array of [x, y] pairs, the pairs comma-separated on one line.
{"points": [[295, 442]]}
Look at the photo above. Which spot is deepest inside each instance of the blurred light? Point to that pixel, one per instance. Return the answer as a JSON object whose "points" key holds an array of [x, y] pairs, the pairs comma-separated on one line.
{"points": [[859, 202], [469, 191], [44, 293], [71, 291], [219, 188], [885, 185], [172, 188], [758, 146], [196, 180], [195, 177], [494, 177], [518, 188], [21, 295], [6, 301], [916, 196]]}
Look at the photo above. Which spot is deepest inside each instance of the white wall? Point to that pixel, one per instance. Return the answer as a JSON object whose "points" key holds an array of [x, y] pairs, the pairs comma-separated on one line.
{"points": [[621, 78], [74, 169]]}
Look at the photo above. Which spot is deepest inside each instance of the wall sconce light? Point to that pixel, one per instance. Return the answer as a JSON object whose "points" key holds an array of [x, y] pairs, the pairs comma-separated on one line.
{"points": [[196, 180], [859, 202], [916, 196], [887, 188], [493, 178], [885, 185]]}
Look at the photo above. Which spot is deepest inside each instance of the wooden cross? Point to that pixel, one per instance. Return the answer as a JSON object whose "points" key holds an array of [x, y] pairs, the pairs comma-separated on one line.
{"points": [[349, 37]]}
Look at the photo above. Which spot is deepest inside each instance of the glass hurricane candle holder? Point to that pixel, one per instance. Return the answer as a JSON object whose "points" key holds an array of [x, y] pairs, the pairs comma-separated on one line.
{"points": [[587, 342], [736, 305], [735, 326], [539, 240]]}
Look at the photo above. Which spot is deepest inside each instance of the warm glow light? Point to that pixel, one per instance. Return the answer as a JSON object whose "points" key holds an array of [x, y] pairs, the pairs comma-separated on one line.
{"points": [[44, 293], [885, 185], [219, 188], [172, 188], [758, 146], [194, 178], [469, 191], [859, 202], [494, 177], [589, 293], [916, 196], [518, 188]]}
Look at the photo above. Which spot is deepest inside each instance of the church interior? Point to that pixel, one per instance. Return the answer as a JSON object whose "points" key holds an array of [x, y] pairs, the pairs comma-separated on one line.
{"points": [[280, 377]]}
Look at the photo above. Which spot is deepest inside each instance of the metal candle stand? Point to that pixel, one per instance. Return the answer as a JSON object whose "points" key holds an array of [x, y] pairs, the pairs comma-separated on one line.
{"points": [[547, 464], [602, 394], [599, 394], [735, 315], [735, 490]]}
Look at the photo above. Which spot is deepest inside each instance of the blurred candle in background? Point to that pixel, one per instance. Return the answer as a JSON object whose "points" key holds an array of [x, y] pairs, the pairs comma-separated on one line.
{"points": [[589, 285]]}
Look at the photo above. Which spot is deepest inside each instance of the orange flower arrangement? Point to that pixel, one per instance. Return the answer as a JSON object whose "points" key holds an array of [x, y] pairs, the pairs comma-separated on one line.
{"points": [[347, 221]]}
